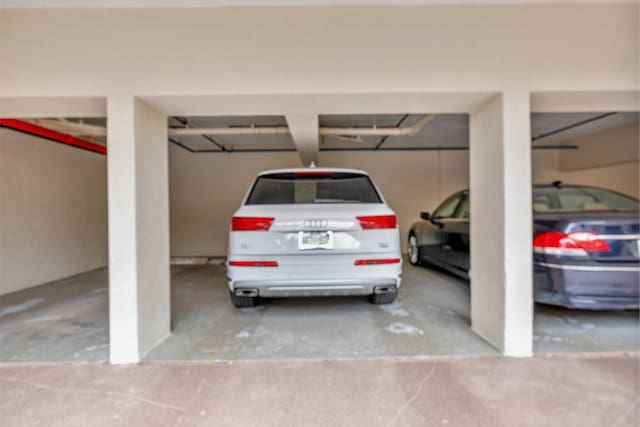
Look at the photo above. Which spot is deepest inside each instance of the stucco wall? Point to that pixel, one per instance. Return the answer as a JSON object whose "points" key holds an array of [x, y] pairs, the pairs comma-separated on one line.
{"points": [[622, 177], [53, 198], [607, 159], [253, 50], [53, 211], [207, 188]]}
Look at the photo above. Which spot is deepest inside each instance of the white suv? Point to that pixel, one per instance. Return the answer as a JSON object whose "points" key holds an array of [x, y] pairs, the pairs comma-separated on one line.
{"points": [[313, 232]]}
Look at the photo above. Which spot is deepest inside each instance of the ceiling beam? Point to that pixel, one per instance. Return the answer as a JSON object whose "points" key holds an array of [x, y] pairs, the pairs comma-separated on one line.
{"points": [[304, 132]]}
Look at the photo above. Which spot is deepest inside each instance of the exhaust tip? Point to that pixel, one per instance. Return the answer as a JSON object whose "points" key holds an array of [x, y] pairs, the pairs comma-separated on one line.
{"points": [[378, 290], [246, 292]]}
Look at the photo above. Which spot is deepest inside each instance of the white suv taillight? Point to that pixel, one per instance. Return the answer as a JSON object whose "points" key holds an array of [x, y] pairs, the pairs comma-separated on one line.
{"points": [[377, 222], [377, 261], [572, 244], [241, 223], [253, 263]]}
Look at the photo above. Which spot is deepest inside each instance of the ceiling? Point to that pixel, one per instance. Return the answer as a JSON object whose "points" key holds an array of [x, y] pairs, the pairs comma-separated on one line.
{"points": [[444, 131], [260, 142], [587, 123]]}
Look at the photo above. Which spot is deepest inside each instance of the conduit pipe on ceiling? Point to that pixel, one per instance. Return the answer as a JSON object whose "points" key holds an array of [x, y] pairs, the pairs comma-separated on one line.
{"points": [[251, 130], [379, 131], [31, 129], [74, 128], [323, 131]]}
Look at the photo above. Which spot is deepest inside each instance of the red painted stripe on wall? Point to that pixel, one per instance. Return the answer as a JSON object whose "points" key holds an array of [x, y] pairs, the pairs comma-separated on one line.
{"points": [[63, 138]]}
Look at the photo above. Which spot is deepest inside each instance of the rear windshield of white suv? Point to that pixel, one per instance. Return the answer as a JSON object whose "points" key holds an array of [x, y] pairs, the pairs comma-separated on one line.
{"points": [[312, 188]]}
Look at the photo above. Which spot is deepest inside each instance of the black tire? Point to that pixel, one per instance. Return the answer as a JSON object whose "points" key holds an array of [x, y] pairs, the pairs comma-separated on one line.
{"points": [[242, 301], [415, 258], [386, 298]]}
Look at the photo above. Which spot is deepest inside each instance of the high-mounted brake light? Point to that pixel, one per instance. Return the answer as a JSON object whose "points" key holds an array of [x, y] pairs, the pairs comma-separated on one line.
{"points": [[253, 263], [377, 261], [572, 244], [314, 173], [380, 221], [241, 223]]}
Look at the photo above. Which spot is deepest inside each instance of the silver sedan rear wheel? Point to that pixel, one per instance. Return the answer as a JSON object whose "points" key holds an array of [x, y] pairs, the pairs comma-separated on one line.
{"points": [[414, 250]]}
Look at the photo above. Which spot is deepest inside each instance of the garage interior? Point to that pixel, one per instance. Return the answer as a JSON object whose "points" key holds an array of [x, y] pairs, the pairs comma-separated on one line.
{"points": [[212, 162], [114, 219]]}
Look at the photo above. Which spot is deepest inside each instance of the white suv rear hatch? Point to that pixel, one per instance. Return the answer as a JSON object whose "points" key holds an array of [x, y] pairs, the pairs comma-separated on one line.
{"points": [[312, 231]]}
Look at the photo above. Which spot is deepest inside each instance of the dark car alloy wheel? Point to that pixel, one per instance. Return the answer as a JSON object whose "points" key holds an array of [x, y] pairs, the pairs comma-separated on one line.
{"points": [[414, 250]]}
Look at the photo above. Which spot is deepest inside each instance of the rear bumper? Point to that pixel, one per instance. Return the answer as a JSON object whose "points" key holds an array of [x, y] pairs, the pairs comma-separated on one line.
{"points": [[310, 288], [595, 287], [587, 302], [327, 275]]}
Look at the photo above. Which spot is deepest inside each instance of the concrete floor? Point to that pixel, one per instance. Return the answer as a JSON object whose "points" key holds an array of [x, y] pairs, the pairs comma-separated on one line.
{"points": [[67, 321], [567, 390], [431, 319], [562, 330]]}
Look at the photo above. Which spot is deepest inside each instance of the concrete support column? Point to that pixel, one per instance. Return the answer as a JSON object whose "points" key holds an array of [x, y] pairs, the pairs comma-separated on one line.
{"points": [[139, 276], [501, 225]]}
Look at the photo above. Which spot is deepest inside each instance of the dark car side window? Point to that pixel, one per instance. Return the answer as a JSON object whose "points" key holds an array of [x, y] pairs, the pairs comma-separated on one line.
{"points": [[448, 208]]}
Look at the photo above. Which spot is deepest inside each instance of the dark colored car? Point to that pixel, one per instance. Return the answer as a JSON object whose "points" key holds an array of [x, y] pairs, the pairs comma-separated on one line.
{"points": [[586, 244]]}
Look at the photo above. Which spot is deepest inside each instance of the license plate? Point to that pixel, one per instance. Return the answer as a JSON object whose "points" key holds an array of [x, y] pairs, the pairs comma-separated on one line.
{"points": [[315, 240]]}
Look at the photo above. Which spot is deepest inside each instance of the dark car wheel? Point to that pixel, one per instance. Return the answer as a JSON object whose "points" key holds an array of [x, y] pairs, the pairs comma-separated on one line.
{"points": [[243, 301], [415, 257]]}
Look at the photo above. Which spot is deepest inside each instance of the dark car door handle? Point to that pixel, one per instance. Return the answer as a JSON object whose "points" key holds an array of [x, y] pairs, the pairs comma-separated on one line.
{"points": [[446, 247]]}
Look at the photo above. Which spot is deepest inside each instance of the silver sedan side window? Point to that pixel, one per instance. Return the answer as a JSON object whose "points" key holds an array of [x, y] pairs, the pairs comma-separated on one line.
{"points": [[448, 207], [463, 210]]}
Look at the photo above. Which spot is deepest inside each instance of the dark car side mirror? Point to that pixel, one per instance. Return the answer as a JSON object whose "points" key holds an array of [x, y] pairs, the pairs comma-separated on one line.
{"points": [[425, 215]]}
